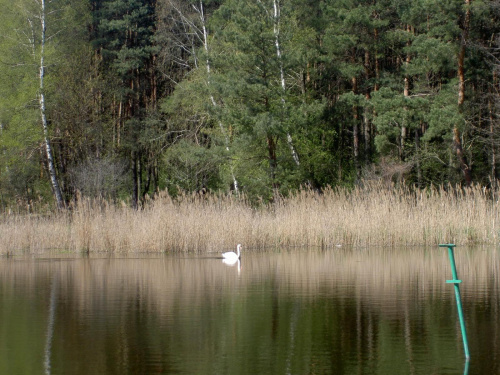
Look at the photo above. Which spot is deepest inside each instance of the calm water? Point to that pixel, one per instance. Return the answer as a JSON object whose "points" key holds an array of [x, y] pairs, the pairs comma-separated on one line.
{"points": [[298, 312]]}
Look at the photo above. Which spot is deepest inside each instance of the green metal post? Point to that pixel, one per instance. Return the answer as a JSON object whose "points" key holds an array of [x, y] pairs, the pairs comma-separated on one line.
{"points": [[455, 283]]}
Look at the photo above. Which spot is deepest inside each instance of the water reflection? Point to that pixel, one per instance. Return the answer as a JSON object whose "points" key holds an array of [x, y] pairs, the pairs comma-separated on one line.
{"points": [[370, 311], [232, 263], [50, 326]]}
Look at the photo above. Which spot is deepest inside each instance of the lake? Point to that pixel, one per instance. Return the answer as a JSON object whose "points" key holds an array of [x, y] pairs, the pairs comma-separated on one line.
{"points": [[340, 311]]}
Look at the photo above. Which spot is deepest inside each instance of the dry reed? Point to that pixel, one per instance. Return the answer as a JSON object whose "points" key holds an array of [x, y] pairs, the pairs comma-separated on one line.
{"points": [[372, 215]]}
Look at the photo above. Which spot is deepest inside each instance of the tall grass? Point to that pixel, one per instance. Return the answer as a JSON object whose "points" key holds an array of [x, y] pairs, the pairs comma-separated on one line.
{"points": [[372, 215]]}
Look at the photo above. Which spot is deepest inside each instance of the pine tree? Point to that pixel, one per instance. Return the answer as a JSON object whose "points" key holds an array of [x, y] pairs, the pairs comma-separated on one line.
{"points": [[353, 45], [124, 31], [259, 50]]}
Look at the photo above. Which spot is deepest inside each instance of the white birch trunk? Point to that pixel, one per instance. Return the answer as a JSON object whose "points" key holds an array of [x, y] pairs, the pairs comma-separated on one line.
{"points": [[276, 29], [41, 99], [212, 99]]}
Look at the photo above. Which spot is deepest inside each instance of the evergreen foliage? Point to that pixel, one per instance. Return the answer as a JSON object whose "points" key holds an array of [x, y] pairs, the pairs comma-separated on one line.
{"points": [[260, 96]]}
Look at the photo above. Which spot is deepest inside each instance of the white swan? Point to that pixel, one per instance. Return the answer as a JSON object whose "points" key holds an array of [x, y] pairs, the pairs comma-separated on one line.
{"points": [[231, 255]]}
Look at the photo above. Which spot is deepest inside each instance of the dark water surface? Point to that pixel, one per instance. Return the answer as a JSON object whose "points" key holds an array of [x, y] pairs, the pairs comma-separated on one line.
{"points": [[370, 311]]}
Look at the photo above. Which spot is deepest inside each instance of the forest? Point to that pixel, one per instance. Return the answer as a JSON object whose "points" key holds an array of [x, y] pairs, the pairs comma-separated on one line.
{"points": [[123, 99]]}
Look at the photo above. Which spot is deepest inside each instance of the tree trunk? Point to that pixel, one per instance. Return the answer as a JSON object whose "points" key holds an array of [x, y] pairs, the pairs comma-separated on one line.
{"points": [[417, 156], [491, 116], [136, 182], [377, 64], [367, 130], [355, 131], [276, 30], [406, 94], [464, 166], [366, 112], [41, 99], [493, 149], [461, 157], [271, 147]]}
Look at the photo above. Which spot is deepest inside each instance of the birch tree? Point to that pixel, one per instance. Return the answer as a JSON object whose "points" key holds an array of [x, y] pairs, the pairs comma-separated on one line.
{"points": [[36, 24], [276, 18], [44, 38], [189, 34], [196, 32]]}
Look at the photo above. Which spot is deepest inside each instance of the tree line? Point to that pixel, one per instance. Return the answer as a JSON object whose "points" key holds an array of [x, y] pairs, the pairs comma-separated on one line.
{"points": [[124, 98]]}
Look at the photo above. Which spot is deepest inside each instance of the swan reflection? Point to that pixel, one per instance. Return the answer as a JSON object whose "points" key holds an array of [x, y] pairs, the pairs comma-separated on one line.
{"points": [[232, 263]]}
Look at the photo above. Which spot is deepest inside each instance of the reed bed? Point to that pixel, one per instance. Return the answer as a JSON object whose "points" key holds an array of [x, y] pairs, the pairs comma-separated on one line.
{"points": [[371, 215]]}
